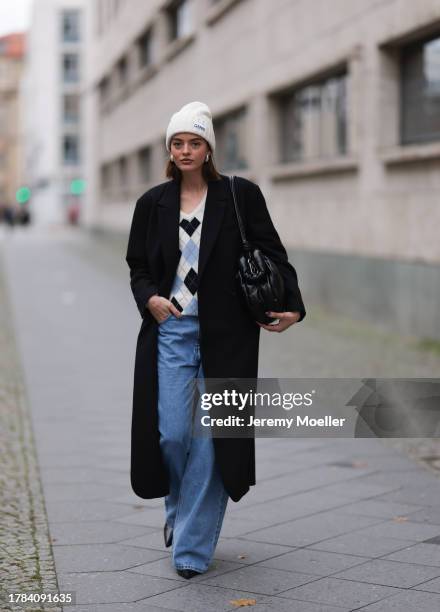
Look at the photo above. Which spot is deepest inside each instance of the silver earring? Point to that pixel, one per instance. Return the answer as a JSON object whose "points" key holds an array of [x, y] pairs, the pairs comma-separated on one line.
{"points": [[171, 158], [207, 158]]}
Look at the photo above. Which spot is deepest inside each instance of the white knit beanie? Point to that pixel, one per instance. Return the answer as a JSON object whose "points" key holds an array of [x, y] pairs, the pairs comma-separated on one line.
{"points": [[194, 117]]}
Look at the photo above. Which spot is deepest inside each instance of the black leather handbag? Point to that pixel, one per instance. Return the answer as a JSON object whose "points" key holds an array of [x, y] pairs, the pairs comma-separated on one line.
{"points": [[259, 279]]}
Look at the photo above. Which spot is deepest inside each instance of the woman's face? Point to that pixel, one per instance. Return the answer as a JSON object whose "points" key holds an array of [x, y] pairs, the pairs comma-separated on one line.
{"points": [[189, 151]]}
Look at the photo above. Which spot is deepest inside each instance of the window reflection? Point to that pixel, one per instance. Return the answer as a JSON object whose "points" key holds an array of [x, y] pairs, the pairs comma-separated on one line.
{"points": [[313, 120], [420, 92]]}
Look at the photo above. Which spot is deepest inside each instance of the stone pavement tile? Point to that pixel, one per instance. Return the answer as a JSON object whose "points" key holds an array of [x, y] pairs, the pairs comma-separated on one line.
{"points": [[404, 478], [113, 464], [335, 450], [381, 509], [277, 604], [301, 446], [432, 586], [367, 446], [57, 475], [112, 457], [314, 562], [90, 532], [319, 475], [270, 467], [311, 529], [424, 553], [63, 475], [390, 573], [419, 495], [130, 498], [204, 598], [47, 459], [292, 506], [356, 489], [84, 510], [246, 551], [150, 517], [153, 539], [107, 443], [362, 545], [74, 491], [345, 593], [240, 526], [163, 568], [112, 587], [102, 557], [406, 530], [59, 445], [429, 515], [407, 601], [26, 560], [394, 462], [257, 579], [141, 606], [289, 484]]}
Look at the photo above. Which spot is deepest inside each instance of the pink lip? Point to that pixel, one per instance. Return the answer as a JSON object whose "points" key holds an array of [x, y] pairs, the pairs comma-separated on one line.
{"points": [[187, 161]]}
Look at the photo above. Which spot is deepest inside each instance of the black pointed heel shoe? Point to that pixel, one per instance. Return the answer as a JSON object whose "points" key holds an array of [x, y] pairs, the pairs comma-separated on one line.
{"points": [[187, 573], [167, 535]]}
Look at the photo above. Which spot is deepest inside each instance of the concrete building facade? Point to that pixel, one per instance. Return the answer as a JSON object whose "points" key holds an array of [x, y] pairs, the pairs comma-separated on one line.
{"points": [[11, 69], [333, 108], [52, 89]]}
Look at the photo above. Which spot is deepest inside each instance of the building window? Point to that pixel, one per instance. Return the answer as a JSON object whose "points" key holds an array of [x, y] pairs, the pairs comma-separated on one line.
{"points": [[144, 165], [420, 91], [144, 49], [70, 26], [71, 109], [71, 149], [313, 120], [179, 19], [104, 90], [3, 111], [123, 172], [230, 133], [122, 71], [105, 178], [70, 68]]}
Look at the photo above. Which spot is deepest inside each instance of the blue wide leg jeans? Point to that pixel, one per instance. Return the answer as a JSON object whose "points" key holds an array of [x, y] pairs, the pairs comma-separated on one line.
{"points": [[196, 504]]}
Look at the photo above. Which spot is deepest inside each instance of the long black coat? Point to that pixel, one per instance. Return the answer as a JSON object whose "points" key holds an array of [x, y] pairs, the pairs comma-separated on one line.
{"points": [[229, 338]]}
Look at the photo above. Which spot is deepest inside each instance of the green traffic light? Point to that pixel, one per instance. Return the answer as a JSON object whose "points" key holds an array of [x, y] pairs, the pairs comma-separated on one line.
{"points": [[23, 195], [77, 186]]}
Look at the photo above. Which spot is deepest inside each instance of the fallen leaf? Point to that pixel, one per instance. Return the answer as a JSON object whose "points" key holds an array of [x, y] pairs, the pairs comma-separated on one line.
{"points": [[241, 556], [400, 519], [239, 603]]}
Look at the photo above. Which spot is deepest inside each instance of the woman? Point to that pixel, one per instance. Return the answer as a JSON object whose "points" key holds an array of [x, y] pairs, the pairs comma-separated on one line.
{"points": [[182, 253]]}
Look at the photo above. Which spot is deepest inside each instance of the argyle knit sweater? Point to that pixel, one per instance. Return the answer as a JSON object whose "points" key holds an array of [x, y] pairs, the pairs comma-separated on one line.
{"points": [[184, 290]]}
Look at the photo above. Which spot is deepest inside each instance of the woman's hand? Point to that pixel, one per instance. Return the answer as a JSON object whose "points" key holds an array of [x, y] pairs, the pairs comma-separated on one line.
{"points": [[160, 308], [286, 320]]}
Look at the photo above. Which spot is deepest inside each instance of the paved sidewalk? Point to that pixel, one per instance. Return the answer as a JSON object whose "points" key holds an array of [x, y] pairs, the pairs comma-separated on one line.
{"points": [[332, 525], [26, 561]]}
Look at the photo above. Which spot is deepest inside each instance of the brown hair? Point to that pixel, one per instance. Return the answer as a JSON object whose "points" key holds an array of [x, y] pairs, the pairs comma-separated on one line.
{"points": [[209, 171]]}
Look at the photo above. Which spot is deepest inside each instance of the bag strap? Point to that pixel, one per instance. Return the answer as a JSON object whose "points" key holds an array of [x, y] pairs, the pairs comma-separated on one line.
{"points": [[246, 244]]}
